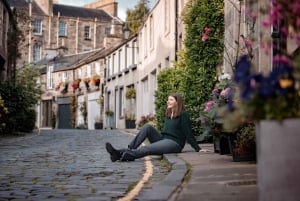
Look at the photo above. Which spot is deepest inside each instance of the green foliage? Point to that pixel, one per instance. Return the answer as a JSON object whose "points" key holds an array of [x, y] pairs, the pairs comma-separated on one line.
{"points": [[246, 140], [28, 78], [3, 112], [20, 99], [169, 80], [202, 57], [135, 17], [130, 93], [83, 111], [74, 106], [20, 103]]}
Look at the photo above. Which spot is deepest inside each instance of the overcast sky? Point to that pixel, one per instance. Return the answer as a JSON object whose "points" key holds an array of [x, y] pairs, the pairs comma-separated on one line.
{"points": [[122, 5]]}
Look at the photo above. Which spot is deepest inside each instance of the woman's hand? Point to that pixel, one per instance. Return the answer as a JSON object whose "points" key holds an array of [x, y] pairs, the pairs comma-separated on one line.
{"points": [[204, 150]]}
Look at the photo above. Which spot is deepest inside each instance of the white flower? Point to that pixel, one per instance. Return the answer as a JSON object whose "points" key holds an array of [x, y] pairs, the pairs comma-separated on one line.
{"points": [[224, 77]]}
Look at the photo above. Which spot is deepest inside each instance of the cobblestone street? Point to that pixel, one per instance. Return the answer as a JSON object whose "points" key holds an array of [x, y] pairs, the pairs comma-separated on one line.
{"points": [[65, 165]]}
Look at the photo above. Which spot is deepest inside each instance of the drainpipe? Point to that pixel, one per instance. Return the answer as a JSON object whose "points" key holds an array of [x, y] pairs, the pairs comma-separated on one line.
{"points": [[76, 41], [95, 32], [57, 38], [176, 29]]}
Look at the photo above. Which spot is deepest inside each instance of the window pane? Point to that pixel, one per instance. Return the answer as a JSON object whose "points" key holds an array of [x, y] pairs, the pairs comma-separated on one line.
{"points": [[86, 32], [107, 30], [62, 29], [37, 26], [36, 52]]}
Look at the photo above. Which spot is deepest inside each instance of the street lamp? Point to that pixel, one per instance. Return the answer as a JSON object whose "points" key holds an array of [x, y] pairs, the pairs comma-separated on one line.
{"points": [[29, 35], [126, 32]]}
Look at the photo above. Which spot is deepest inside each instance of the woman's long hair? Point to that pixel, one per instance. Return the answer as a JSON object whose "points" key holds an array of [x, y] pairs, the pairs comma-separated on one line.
{"points": [[179, 107]]}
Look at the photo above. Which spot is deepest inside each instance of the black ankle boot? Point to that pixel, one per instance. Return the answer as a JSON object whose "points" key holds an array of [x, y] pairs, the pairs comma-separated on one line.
{"points": [[127, 156], [114, 154]]}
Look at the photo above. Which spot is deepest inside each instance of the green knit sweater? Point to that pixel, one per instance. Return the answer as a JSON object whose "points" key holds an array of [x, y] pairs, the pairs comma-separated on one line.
{"points": [[179, 129]]}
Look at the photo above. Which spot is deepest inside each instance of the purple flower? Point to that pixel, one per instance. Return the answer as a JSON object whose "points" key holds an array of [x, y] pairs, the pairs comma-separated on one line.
{"points": [[215, 92]]}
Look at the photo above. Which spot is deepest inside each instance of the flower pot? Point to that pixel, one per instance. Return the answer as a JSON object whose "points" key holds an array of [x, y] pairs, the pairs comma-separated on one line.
{"points": [[130, 123], [240, 155], [98, 125], [221, 145], [278, 159]]}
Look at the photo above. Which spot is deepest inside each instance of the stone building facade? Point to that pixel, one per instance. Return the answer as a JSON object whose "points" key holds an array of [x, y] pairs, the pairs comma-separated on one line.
{"points": [[56, 29], [7, 27]]}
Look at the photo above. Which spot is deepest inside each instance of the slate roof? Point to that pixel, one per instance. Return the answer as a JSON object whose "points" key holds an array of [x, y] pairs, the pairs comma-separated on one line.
{"points": [[74, 61], [24, 5], [73, 11], [64, 10]]}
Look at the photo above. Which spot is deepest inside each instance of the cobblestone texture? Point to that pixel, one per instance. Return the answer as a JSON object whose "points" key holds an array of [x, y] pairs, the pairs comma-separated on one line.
{"points": [[66, 165]]}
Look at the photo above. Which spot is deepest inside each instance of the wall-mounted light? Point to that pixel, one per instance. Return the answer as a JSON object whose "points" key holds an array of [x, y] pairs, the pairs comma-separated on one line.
{"points": [[126, 32]]}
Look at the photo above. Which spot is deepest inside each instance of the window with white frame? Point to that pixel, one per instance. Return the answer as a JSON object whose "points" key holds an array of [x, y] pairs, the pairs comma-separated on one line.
{"points": [[145, 40], [79, 73], [37, 27], [135, 52], [37, 52], [121, 103], [153, 84], [107, 31], [151, 32], [49, 77], [97, 68], [64, 76], [120, 59], [88, 71], [108, 66], [145, 92], [167, 16], [62, 29], [87, 32], [113, 63]]}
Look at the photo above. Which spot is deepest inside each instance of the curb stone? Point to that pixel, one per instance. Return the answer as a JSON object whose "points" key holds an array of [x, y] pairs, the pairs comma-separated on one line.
{"points": [[164, 189]]}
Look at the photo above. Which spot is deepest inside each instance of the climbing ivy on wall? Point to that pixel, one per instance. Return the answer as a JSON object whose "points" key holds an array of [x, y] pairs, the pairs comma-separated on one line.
{"points": [[194, 75], [169, 81], [204, 20]]}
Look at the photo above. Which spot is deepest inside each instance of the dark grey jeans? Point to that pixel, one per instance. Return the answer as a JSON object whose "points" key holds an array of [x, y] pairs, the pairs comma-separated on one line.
{"points": [[158, 145]]}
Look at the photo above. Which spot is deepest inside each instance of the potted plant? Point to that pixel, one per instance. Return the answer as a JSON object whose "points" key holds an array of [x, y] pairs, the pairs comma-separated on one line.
{"points": [[243, 144], [98, 123], [272, 100], [130, 121], [96, 80], [75, 84], [130, 93], [109, 113], [211, 121]]}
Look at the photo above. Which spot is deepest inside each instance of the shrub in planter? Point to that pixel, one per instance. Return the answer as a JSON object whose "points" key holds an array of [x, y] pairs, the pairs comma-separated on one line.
{"points": [[130, 93], [243, 144], [98, 123], [130, 121]]}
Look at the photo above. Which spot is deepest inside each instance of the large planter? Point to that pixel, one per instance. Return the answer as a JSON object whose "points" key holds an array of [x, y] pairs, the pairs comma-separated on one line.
{"points": [[130, 123], [278, 160], [239, 155], [98, 125], [221, 145]]}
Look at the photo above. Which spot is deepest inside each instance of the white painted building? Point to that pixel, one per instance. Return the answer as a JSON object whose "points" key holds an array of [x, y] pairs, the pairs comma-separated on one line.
{"points": [[137, 62]]}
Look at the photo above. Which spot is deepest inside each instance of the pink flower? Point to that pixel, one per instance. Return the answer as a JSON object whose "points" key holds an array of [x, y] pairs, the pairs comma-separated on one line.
{"points": [[207, 30], [209, 105], [215, 91]]}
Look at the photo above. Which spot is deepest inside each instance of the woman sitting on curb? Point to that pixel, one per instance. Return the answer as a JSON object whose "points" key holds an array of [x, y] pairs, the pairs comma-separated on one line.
{"points": [[176, 131]]}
